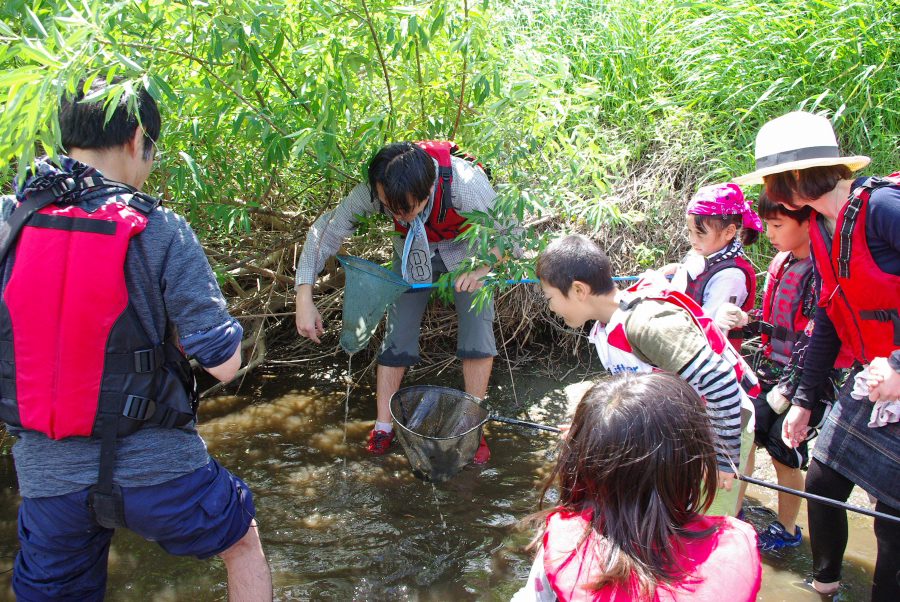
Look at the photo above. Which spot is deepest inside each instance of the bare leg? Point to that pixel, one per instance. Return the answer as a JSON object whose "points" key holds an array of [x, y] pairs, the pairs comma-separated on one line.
{"points": [[476, 373], [748, 471], [788, 505], [249, 579], [388, 381]]}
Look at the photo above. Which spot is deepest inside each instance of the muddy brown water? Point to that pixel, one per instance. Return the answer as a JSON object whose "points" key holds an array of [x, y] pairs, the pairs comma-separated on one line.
{"points": [[338, 524]]}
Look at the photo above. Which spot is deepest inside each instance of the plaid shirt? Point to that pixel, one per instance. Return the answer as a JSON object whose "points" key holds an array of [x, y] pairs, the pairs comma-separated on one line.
{"points": [[471, 191]]}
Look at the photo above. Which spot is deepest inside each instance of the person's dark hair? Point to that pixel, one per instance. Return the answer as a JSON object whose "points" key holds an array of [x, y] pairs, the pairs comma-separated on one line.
{"points": [[575, 257], [769, 210], [718, 223], [84, 125], [403, 169], [809, 184], [640, 456]]}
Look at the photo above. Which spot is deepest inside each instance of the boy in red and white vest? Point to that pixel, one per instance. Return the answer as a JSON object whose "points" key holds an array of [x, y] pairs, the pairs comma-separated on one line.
{"points": [[651, 327]]}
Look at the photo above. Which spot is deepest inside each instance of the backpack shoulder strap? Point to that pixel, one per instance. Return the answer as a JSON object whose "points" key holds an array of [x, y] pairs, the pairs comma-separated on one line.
{"points": [[39, 199], [440, 151], [31, 205]]}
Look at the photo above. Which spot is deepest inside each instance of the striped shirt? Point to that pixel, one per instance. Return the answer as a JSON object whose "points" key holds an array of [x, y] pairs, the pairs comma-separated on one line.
{"points": [[471, 191], [664, 335], [714, 379]]}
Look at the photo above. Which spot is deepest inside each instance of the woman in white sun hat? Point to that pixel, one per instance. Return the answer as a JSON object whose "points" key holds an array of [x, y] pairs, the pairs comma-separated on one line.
{"points": [[855, 238]]}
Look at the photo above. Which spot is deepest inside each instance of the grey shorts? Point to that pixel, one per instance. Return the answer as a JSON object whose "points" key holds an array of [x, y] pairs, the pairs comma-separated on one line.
{"points": [[404, 319]]}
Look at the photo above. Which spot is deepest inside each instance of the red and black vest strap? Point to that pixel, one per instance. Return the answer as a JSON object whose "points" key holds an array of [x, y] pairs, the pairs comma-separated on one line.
{"points": [[851, 213], [884, 315], [445, 175], [25, 212], [773, 331]]}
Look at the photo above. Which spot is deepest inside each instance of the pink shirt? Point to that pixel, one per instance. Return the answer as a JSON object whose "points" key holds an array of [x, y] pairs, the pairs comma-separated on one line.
{"points": [[724, 565]]}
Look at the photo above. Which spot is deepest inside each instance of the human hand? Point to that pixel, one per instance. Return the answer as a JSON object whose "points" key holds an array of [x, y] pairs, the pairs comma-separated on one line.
{"points": [[730, 316], [308, 318], [669, 269], [725, 479], [656, 277], [883, 381], [795, 426], [470, 281]]}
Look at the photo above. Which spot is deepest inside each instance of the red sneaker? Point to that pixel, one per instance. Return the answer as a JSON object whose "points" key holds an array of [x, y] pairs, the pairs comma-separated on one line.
{"points": [[483, 454], [379, 441]]}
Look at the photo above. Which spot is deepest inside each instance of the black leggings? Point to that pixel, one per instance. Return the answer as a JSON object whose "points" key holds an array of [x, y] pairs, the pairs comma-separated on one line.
{"points": [[828, 534]]}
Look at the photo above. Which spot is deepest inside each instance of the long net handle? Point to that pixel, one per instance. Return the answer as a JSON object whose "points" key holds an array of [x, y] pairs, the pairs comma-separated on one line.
{"points": [[527, 281], [436, 285], [543, 427], [820, 499]]}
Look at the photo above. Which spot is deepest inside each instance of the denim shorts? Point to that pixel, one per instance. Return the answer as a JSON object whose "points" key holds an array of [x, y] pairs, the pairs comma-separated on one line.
{"points": [[63, 553], [475, 338], [870, 457]]}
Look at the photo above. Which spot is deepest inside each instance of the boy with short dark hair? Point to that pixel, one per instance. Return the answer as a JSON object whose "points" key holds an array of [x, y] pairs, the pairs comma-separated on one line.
{"points": [[649, 327], [788, 304]]}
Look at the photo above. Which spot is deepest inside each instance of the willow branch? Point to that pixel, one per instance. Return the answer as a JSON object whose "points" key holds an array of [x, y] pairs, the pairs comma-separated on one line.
{"points": [[387, 80], [205, 66], [462, 89], [421, 92]]}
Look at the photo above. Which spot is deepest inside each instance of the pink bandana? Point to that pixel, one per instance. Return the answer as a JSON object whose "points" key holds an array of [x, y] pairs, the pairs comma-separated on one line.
{"points": [[724, 199]]}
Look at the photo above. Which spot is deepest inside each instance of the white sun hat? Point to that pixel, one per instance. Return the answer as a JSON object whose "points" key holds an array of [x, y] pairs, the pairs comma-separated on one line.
{"points": [[796, 141]]}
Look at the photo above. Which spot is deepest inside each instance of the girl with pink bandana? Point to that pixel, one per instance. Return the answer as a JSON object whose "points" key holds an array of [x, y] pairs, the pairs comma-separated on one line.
{"points": [[720, 223]]}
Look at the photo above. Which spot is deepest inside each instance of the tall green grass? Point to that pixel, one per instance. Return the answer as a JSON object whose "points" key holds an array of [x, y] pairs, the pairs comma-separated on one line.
{"points": [[637, 103]]}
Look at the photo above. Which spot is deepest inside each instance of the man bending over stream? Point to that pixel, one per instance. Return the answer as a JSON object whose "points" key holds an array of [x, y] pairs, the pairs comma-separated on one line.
{"points": [[425, 190]]}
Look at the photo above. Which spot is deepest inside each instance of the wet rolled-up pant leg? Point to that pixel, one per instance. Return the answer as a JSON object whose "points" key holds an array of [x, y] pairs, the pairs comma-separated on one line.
{"points": [[400, 347], [404, 319], [475, 339]]}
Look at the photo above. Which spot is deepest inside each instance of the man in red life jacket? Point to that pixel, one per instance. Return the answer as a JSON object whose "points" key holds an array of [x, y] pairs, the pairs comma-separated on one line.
{"points": [[102, 288], [426, 190]]}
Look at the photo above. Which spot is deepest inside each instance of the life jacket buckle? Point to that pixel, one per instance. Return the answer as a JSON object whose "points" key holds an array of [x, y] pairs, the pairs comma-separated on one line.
{"points": [[138, 408], [62, 187], [146, 360], [143, 203], [883, 315]]}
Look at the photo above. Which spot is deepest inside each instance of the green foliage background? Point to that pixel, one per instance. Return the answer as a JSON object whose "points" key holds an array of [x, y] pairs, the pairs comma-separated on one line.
{"points": [[606, 116]]}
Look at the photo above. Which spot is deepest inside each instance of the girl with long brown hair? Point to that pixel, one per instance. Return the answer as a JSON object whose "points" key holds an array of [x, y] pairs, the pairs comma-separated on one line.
{"points": [[635, 473]]}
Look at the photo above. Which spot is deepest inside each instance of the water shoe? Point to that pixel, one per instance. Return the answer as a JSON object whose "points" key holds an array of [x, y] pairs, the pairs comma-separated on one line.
{"points": [[379, 441], [776, 537], [483, 454]]}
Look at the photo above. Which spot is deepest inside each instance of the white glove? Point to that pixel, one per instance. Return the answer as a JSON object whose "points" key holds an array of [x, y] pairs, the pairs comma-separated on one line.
{"points": [[730, 316]]}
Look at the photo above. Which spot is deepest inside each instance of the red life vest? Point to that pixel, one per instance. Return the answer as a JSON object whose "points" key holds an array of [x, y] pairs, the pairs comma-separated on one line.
{"points": [[782, 309], [696, 288], [726, 561], [444, 223], [74, 352], [646, 289], [860, 299], [782, 305]]}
